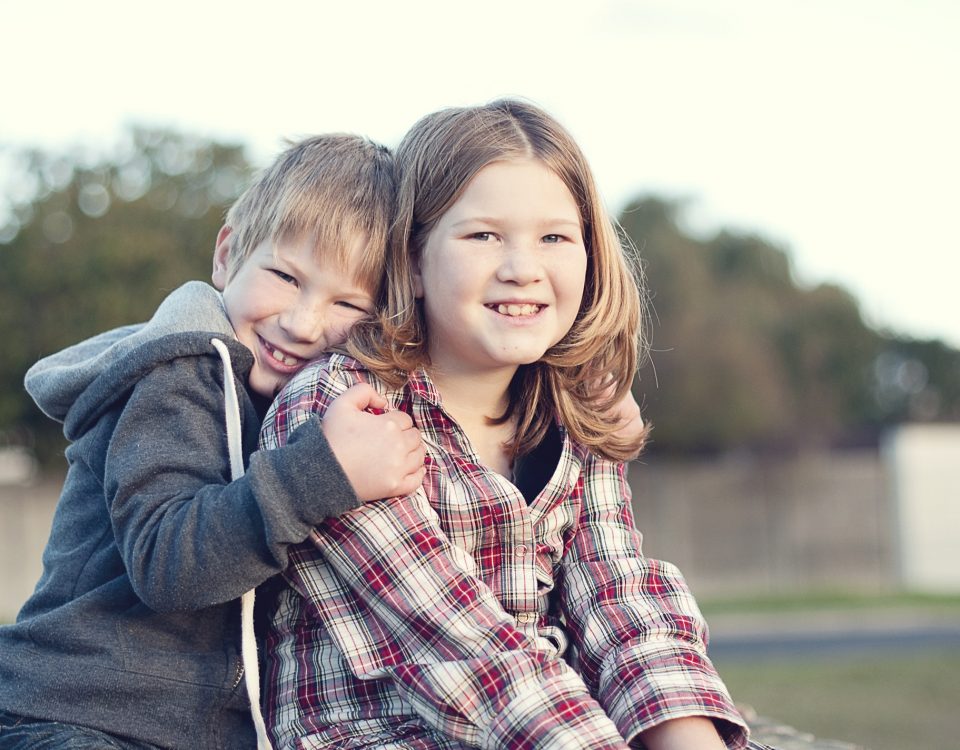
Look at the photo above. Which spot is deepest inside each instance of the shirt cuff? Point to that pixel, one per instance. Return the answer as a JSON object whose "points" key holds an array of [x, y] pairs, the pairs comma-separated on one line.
{"points": [[650, 683]]}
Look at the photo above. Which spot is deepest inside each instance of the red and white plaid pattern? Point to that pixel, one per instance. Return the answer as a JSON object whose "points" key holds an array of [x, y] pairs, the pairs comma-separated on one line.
{"points": [[462, 616]]}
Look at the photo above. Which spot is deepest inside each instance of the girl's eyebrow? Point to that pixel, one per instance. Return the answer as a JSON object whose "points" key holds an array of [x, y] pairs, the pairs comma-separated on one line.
{"points": [[566, 221], [473, 220], [563, 222]]}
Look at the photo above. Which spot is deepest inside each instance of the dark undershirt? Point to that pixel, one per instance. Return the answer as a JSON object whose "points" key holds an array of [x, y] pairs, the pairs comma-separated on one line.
{"points": [[533, 470]]}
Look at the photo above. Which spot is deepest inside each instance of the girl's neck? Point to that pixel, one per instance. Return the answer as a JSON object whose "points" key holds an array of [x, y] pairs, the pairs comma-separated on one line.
{"points": [[473, 400]]}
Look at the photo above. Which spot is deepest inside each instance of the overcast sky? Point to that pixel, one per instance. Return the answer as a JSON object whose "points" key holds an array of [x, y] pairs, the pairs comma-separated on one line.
{"points": [[828, 126]]}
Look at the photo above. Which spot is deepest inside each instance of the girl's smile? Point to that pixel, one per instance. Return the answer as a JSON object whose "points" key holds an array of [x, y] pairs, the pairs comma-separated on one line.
{"points": [[502, 272], [519, 310]]}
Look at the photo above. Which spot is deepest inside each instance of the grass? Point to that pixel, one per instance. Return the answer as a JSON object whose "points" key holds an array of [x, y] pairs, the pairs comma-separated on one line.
{"points": [[907, 700], [880, 701]]}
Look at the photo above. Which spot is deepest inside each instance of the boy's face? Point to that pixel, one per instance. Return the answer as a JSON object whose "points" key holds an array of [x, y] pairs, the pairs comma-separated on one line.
{"points": [[288, 304]]}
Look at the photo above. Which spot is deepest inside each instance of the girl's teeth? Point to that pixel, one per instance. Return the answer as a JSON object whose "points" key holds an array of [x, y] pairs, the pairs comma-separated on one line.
{"points": [[518, 310]]}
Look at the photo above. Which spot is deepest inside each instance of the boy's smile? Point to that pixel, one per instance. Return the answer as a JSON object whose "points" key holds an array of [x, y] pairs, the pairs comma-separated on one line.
{"points": [[288, 302], [278, 358]]}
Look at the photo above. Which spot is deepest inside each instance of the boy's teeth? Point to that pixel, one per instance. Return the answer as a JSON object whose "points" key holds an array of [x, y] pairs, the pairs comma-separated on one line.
{"points": [[517, 310], [287, 359]]}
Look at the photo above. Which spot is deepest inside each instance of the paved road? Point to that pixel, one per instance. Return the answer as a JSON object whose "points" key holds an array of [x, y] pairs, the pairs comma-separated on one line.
{"points": [[831, 633]]}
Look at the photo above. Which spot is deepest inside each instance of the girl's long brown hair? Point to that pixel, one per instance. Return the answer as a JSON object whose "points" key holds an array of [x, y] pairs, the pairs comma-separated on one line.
{"points": [[436, 160]]}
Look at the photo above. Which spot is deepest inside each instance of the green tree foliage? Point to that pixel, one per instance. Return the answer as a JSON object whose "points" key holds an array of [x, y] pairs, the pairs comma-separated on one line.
{"points": [[744, 357], [93, 243]]}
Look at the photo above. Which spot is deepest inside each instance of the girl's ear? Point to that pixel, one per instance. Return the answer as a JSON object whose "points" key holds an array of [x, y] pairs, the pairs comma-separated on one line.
{"points": [[221, 257], [417, 276]]}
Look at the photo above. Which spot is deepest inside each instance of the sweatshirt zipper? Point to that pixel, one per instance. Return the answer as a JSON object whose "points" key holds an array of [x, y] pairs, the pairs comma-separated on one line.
{"points": [[239, 675]]}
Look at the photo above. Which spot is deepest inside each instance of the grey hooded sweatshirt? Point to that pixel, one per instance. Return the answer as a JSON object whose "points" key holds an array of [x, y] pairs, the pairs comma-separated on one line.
{"points": [[134, 626]]}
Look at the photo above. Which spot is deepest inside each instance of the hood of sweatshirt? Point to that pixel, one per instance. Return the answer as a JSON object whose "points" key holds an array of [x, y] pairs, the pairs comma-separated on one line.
{"points": [[76, 385]]}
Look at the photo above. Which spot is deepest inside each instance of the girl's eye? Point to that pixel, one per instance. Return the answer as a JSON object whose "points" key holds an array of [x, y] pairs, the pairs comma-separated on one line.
{"points": [[283, 276], [552, 239]]}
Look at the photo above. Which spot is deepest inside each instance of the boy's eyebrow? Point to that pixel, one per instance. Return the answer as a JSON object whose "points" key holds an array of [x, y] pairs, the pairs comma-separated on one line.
{"points": [[358, 292]]}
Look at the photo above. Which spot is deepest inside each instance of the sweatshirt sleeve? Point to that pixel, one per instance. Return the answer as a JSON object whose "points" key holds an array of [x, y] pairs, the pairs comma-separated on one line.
{"points": [[189, 537]]}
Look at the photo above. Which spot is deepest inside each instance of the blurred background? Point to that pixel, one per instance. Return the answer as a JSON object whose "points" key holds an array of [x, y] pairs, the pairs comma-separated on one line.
{"points": [[788, 172]]}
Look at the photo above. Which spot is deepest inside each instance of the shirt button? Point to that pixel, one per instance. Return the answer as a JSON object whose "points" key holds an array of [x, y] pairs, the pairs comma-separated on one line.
{"points": [[520, 550]]}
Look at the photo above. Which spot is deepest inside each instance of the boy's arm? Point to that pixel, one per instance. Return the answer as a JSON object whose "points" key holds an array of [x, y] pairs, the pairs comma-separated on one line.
{"points": [[188, 536], [387, 589], [640, 637]]}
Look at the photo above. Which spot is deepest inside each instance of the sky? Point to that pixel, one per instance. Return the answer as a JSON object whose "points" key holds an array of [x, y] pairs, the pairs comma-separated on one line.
{"points": [[829, 127]]}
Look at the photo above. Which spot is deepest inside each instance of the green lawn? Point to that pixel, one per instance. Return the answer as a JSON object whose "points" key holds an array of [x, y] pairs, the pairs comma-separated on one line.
{"points": [[910, 701], [907, 700]]}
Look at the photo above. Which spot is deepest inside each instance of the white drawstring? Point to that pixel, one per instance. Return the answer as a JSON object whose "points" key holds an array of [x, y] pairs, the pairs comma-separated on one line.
{"points": [[248, 638]]}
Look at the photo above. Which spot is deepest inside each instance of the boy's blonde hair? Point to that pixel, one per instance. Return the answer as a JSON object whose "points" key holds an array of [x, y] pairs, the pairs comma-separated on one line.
{"points": [[436, 160], [328, 188]]}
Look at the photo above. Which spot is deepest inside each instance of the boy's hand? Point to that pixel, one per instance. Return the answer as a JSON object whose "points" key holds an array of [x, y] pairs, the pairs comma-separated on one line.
{"points": [[626, 416], [381, 454]]}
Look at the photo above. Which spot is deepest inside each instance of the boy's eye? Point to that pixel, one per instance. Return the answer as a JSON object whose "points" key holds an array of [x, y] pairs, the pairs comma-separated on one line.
{"points": [[482, 236], [283, 276], [354, 307]]}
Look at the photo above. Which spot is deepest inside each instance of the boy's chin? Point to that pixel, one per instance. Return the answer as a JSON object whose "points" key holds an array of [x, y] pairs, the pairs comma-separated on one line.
{"points": [[266, 387]]}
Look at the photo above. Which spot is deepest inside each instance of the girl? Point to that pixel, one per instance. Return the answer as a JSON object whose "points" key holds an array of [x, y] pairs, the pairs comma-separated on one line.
{"points": [[507, 602]]}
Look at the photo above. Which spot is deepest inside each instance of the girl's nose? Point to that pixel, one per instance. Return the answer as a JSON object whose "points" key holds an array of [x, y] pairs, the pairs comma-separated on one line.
{"points": [[520, 265]]}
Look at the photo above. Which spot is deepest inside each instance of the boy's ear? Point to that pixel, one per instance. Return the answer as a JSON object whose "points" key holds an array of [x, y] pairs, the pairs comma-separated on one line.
{"points": [[221, 257]]}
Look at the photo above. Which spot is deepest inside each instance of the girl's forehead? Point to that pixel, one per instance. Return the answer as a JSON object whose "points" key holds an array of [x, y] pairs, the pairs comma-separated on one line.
{"points": [[517, 185]]}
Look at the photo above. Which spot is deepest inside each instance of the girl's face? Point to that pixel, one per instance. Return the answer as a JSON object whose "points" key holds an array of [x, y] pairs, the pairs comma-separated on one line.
{"points": [[502, 273]]}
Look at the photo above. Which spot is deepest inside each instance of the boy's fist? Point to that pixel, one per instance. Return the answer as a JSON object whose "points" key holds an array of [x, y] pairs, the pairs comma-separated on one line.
{"points": [[381, 454]]}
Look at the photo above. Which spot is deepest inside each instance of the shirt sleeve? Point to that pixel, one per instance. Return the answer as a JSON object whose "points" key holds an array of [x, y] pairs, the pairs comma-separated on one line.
{"points": [[384, 581], [188, 536], [639, 637]]}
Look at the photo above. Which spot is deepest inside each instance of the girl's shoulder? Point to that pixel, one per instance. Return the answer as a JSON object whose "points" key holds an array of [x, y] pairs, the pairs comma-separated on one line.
{"points": [[336, 369]]}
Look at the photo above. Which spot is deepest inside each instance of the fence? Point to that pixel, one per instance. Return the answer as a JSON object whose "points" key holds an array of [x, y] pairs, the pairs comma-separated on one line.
{"points": [[735, 526]]}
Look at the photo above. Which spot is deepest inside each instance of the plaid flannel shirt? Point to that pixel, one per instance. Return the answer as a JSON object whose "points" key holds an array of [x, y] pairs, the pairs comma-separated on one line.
{"points": [[462, 616]]}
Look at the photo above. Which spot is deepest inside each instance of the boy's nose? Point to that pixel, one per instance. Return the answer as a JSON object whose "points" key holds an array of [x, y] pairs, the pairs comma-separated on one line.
{"points": [[303, 323]]}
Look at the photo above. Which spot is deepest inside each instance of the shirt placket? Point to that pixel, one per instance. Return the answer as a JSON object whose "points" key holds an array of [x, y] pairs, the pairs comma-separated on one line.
{"points": [[518, 575]]}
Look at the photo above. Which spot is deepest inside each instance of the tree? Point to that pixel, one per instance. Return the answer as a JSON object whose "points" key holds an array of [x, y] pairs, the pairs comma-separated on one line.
{"points": [[97, 243], [743, 356]]}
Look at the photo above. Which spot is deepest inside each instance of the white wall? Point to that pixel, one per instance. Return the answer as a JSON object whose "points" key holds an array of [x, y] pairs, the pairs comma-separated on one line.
{"points": [[924, 466], [26, 511]]}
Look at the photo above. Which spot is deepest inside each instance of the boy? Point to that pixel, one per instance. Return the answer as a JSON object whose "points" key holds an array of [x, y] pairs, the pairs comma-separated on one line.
{"points": [[131, 638]]}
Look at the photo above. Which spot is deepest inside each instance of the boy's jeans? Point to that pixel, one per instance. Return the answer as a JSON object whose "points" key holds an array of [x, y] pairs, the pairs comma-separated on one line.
{"points": [[21, 733]]}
